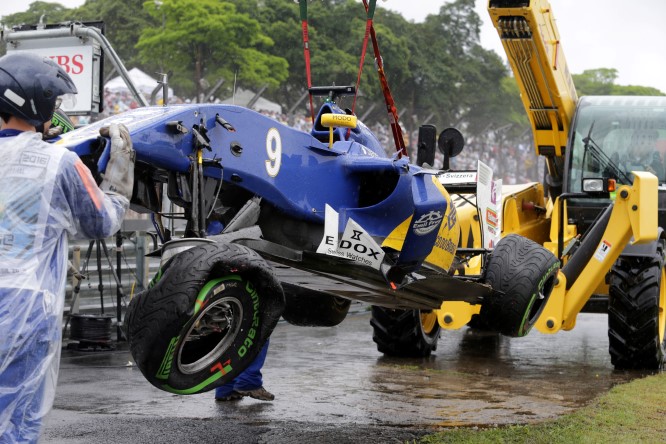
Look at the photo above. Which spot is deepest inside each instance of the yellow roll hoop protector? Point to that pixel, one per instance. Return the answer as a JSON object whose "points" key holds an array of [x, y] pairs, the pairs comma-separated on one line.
{"points": [[336, 120], [634, 214]]}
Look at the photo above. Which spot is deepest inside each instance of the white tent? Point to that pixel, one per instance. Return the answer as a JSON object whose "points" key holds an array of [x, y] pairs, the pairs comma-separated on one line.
{"points": [[243, 97], [143, 82]]}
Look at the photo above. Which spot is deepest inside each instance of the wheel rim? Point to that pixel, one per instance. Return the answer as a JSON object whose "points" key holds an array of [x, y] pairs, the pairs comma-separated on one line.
{"points": [[428, 322], [214, 329], [662, 305], [538, 305]]}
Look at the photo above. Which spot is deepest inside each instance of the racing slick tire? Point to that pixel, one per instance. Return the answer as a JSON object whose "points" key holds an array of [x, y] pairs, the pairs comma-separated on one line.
{"points": [[204, 318], [313, 309], [523, 274], [404, 333], [636, 316]]}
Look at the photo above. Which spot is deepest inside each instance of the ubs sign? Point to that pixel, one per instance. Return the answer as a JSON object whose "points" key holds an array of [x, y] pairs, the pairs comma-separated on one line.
{"points": [[80, 58]]}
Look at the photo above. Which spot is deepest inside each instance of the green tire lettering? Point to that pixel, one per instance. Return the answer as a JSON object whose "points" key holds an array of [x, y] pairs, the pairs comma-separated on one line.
{"points": [[165, 366]]}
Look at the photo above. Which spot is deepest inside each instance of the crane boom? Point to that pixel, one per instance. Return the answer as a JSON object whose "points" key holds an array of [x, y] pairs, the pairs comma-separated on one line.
{"points": [[531, 41]]}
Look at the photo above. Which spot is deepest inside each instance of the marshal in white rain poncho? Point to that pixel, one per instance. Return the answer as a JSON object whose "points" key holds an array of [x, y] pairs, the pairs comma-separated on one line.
{"points": [[46, 194]]}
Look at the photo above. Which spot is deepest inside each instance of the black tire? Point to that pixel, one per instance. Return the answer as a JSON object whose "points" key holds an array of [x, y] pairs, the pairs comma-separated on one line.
{"points": [[313, 309], [477, 323], [523, 273], [204, 318], [636, 316], [404, 333]]}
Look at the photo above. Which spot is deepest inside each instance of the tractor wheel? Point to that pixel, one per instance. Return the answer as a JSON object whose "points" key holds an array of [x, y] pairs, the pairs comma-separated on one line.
{"points": [[523, 274], [636, 316], [404, 333], [204, 319], [313, 309]]}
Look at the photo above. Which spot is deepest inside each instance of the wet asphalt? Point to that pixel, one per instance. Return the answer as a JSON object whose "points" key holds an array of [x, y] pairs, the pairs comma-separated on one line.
{"points": [[333, 386]]}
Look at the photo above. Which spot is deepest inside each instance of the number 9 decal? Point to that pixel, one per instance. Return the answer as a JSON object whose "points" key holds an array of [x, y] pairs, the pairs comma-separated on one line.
{"points": [[274, 151]]}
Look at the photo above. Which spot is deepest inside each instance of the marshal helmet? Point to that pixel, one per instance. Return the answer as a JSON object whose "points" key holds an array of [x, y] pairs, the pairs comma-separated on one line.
{"points": [[30, 86]]}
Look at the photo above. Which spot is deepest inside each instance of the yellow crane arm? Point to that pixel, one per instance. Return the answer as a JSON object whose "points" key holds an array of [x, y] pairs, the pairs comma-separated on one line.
{"points": [[532, 44]]}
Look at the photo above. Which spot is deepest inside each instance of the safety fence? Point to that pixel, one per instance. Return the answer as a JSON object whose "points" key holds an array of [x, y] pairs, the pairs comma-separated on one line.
{"points": [[97, 261]]}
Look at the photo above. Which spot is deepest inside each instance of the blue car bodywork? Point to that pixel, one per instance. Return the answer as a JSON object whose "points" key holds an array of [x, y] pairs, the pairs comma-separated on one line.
{"points": [[298, 175]]}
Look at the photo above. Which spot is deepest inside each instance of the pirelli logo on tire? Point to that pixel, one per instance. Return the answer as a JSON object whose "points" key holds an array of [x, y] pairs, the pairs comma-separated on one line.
{"points": [[252, 332], [165, 366]]}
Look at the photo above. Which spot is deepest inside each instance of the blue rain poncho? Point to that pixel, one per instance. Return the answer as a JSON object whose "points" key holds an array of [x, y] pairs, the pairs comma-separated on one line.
{"points": [[46, 194]]}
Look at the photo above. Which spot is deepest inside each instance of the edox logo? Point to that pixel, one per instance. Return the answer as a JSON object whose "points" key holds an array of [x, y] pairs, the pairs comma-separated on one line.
{"points": [[427, 222]]}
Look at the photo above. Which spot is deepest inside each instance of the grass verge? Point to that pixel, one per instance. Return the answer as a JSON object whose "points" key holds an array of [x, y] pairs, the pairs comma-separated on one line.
{"points": [[629, 413]]}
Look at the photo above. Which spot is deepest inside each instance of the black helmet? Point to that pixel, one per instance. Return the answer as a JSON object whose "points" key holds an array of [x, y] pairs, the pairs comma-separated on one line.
{"points": [[30, 85]]}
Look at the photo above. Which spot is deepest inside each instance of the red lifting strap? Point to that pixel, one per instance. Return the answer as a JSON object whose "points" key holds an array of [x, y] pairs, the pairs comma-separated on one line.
{"points": [[368, 28], [306, 51], [369, 33], [388, 97]]}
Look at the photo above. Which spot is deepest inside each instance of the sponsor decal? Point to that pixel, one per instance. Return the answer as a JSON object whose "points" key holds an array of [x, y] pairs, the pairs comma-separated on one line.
{"points": [[342, 118], [453, 216], [355, 244], [494, 193], [491, 218], [445, 244], [459, 177], [427, 222], [489, 200]]}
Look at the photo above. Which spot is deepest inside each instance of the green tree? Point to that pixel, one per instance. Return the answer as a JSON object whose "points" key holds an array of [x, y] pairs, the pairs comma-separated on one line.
{"points": [[203, 40], [601, 82], [37, 12], [633, 90], [454, 81], [46, 12], [595, 82], [336, 30], [124, 21]]}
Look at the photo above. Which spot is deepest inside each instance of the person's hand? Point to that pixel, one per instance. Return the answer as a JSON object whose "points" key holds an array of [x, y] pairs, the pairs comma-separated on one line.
{"points": [[120, 137], [119, 174], [52, 133]]}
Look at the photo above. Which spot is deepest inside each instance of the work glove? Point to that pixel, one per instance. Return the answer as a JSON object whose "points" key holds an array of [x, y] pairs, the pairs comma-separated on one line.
{"points": [[119, 174], [52, 133]]}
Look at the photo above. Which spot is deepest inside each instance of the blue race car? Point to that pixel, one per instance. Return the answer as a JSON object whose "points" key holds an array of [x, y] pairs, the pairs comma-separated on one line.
{"points": [[282, 222]]}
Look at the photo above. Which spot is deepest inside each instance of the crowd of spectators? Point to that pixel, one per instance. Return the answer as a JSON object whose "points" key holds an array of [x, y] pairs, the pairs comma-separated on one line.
{"points": [[513, 164]]}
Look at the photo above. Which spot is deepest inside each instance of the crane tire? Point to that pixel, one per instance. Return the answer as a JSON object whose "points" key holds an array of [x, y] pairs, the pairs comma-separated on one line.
{"points": [[404, 333], [636, 316]]}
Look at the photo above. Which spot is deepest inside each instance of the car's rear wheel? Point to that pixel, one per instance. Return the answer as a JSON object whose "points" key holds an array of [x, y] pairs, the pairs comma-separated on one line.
{"points": [[313, 309], [404, 333]]}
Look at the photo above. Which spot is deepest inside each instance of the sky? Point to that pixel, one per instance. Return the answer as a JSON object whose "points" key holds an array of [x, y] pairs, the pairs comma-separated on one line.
{"points": [[627, 36]]}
